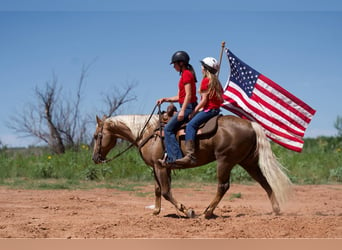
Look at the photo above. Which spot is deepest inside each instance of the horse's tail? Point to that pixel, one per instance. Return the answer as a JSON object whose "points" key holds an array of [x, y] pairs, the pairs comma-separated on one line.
{"points": [[270, 167]]}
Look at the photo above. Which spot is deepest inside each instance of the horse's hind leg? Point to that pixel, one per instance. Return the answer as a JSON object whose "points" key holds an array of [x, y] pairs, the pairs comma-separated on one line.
{"points": [[255, 172], [223, 176]]}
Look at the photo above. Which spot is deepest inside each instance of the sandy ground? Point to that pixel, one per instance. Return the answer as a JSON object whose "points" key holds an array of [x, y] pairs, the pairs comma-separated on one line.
{"points": [[313, 212]]}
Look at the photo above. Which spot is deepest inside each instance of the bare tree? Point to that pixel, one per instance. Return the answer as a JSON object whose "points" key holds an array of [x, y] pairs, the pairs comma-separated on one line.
{"points": [[58, 121], [49, 98], [114, 100]]}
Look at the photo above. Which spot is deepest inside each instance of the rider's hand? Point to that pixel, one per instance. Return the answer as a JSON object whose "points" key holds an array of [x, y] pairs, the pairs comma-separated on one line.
{"points": [[160, 101], [180, 116], [190, 116]]}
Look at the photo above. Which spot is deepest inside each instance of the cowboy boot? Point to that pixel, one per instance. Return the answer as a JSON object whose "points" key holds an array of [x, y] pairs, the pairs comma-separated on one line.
{"points": [[189, 158]]}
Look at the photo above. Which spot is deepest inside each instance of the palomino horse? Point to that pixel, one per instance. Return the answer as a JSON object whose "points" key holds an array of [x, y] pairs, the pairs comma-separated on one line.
{"points": [[236, 141]]}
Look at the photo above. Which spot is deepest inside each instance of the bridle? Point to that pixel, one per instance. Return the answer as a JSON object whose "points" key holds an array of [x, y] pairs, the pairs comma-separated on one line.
{"points": [[100, 136]]}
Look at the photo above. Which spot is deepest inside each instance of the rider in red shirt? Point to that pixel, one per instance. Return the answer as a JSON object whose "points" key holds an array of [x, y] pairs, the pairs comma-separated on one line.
{"points": [[187, 99], [187, 77]]}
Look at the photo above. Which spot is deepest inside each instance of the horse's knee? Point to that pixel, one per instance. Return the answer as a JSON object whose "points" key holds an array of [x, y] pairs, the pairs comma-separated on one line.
{"points": [[166, 195], [157, 192], [223, 187]]}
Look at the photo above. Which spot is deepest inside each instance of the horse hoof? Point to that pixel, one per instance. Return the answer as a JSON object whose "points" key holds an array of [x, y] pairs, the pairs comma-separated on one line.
{"points": [[156, 211], [276, 210], [191, 213], [208, 215]]}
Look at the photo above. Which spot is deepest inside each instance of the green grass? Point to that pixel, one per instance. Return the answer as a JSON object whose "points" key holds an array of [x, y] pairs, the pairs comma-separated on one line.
{"points": [[36, 168], [235, 196]]}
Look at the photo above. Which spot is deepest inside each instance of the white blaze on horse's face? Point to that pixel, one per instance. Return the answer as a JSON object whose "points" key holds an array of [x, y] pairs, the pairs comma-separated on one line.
{"points": [[104, 141]]}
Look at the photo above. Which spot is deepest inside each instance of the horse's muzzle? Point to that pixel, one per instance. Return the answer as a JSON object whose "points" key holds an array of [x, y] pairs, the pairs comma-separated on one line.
{"points": [[97, 158]]}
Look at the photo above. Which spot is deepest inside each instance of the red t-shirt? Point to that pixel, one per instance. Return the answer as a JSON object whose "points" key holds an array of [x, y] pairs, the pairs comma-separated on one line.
{"points": [[187, 78], [213, 102]]}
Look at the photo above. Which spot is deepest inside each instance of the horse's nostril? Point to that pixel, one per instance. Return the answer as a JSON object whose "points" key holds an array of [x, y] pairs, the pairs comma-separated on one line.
{"points": [[96, 158]]}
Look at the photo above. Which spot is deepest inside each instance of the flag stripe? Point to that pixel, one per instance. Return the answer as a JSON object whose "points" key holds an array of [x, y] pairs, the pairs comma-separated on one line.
{"points": [[245, 105], [235, 103], [287, 109], [290, 101], [285, 116], [231, 105], [252, 107], [289, 142], [277, 116], [291, 98]]}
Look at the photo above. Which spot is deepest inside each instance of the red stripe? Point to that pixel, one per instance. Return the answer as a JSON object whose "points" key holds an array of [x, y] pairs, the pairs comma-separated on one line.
{"points": [[291, 147], [238, 111], [286, 117], [282, 102], [286, 106], [278, 122], [288, 94], [264, 115], [281, 134], [272, 130]]}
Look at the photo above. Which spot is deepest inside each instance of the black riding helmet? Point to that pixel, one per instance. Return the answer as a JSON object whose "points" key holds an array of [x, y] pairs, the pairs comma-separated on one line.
{"points": [[180, 56]]}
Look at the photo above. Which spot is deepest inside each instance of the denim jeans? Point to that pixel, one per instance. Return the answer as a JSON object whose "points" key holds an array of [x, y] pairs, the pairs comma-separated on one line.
{"points": [[196, 121], [171, 144]]}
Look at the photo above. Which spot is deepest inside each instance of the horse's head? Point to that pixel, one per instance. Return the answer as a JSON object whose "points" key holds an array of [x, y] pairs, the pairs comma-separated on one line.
{"points": [[104, 140]]}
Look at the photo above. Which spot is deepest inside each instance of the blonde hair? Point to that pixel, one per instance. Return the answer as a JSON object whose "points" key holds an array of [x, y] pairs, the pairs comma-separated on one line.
{"points": [[214, 88]]}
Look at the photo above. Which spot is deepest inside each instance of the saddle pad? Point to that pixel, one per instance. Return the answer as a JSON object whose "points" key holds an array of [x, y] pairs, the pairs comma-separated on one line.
{"points": [[205, 130]]}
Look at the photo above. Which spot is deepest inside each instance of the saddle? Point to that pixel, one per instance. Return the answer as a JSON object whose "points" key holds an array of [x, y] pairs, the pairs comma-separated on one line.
{"points": [[205, 131]]}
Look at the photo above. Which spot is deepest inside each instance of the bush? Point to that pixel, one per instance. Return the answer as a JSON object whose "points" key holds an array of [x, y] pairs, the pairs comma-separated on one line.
{"points": [[320, 162]]}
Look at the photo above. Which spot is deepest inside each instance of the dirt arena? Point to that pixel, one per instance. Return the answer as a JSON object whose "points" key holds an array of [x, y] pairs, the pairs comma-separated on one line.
{"points": [[245, 212]]}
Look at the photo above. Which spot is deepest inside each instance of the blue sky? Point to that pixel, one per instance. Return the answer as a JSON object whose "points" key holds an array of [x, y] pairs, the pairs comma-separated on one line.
{"points": [[296, 45]]}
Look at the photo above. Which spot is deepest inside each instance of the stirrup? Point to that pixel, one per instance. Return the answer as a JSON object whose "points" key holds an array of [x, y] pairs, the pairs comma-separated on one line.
{"points": [[163, 162]]}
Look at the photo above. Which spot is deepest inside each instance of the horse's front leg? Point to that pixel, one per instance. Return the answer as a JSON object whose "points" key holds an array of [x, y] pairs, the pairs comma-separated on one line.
{"points": [[157, 203], [163, 178]]}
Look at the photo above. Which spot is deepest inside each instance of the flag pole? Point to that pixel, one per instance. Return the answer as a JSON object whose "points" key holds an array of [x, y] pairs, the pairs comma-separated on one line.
{"points": [[223, 44]]}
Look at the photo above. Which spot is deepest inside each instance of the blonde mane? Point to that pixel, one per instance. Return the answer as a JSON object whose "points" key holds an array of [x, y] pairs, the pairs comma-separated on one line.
{"points": [[135, 122]]}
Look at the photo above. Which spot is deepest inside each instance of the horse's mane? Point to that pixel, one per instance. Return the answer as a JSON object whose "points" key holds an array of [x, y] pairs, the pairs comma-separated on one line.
{"points": [[135, 122]]}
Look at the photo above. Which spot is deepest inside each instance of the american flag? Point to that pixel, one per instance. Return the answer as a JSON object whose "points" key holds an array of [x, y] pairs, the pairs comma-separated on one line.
{"points": [[253, 96]]}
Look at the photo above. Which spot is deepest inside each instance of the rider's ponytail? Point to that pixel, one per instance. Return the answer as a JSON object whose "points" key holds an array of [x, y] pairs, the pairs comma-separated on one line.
{"points": [[189, 67]]}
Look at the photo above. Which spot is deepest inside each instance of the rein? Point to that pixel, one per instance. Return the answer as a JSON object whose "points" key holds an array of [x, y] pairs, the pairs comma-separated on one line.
{"points": [[132, 143]]}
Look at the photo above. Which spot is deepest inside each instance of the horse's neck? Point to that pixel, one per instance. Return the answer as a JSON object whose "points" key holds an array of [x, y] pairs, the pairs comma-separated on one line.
{"points": [[135, 124]]}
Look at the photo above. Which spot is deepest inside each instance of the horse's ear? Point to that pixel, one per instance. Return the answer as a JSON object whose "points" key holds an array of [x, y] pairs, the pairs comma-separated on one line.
{"points": [[98, 120]]}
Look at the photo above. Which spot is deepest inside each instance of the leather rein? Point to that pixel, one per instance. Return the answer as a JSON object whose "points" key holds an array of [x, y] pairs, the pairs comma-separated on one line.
{"points": [[100, 135]]}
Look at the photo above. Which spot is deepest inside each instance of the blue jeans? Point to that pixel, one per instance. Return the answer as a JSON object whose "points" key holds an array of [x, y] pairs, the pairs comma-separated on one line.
{"points": [[171, 144], [196, 121]]}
